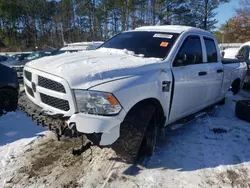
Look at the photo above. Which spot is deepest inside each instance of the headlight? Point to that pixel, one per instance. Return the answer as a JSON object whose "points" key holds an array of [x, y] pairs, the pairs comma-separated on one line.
{"points": [[18, 68], [95, 102]]}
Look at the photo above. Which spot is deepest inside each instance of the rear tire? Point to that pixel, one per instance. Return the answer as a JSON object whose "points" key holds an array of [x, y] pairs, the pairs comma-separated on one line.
{"points": [[236, 87], [135, 136], [8, 100], [246, 86], [223, 101], [242, 110]]}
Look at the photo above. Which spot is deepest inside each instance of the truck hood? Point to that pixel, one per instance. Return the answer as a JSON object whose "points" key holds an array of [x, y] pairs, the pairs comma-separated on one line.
{"points": [[86, 69]]}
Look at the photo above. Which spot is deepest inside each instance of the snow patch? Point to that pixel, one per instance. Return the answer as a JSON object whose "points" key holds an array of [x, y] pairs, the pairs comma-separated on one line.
{"points": [[15, 125], [192, 156]]}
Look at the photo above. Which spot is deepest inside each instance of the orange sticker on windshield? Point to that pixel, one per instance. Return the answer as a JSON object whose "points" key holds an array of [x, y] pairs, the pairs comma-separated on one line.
{"points": [[164, 44]]}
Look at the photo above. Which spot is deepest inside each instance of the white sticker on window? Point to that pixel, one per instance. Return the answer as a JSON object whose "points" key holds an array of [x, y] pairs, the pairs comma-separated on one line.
{"points": [[165, 36]]}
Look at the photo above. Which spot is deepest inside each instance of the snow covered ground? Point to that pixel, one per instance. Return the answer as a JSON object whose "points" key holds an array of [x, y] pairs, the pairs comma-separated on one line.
{"points": [[213, 151]]}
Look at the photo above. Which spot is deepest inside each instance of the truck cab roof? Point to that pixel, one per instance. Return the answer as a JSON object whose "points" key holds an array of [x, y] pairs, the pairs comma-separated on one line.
{"points": [[245, 44], [173, 29]]}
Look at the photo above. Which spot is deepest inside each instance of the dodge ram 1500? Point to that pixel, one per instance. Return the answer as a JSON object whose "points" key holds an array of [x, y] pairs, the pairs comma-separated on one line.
{"points": [[137, 82]]}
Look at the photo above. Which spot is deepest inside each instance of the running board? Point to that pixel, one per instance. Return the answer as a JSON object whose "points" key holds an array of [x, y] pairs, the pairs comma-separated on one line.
{"points": [[185, 121]]}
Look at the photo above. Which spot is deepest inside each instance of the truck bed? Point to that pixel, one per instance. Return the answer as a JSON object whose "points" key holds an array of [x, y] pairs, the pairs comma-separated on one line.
{"points": [[230, 61]]}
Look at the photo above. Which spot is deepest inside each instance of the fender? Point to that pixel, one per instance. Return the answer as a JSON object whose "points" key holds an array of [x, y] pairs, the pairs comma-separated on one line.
{"points": [[154, 84]]}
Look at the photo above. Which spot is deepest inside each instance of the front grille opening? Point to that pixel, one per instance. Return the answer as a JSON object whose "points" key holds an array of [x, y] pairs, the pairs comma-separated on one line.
{"points": [[27, 75], [55, 102], [50, 84], [29, 91]]}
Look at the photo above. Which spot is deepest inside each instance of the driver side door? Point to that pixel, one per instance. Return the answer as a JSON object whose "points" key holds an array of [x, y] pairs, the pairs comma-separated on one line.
{"points": [[191, 79]]}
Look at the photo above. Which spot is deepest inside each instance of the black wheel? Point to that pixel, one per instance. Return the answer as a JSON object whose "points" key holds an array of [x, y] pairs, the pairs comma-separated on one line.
{"points": [[137, 133], [150, 138], [8, 100], [242, 110], [222, 102], [236, 87], [246, 86]]}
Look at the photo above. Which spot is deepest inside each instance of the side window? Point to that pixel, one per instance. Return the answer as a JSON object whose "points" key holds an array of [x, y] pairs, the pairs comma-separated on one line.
{"points": [[212, 55], [243, 54], [190, 52], [242, 51]]}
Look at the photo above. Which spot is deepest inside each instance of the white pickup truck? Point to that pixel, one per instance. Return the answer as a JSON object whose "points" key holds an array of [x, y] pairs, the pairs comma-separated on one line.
{"points": [[137, 82], [243, 54]]}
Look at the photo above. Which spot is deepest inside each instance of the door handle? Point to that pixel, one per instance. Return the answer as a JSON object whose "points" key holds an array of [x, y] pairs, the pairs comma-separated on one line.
{"points": [[220, 70], [202, 73]]}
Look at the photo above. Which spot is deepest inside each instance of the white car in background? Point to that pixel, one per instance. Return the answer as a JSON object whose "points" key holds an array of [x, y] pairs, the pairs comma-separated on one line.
{"points": [[79, 46], [242, 54], [229, 53]]}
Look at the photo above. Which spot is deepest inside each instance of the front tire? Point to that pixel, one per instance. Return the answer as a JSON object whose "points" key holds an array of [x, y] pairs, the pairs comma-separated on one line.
{"points": [[135, 136], [150, 137], [8, 100]]}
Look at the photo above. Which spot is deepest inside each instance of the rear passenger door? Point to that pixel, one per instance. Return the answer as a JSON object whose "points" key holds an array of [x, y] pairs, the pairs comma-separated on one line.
{"points": [[191, 79], [214, 69]]}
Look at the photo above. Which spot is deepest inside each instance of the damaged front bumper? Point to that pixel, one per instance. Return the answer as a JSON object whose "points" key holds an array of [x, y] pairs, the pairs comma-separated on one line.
{"points": [[101, 130]]}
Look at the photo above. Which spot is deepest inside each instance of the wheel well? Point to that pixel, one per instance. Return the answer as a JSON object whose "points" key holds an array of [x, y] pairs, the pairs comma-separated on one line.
{"points": [[236, 81], [155, 102], [236, 86]]}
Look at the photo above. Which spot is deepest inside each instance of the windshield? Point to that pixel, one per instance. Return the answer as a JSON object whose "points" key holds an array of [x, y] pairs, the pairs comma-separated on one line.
{"points": [[20, 57], [34, 55], [148, 44]]}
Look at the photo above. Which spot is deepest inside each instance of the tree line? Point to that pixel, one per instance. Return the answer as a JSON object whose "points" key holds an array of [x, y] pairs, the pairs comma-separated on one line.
{"points": [[27, 24], [236, 29]]}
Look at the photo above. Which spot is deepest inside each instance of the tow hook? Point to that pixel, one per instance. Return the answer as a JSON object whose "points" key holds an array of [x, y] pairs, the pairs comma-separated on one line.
{"points": [[76, 152], [83, 148]]}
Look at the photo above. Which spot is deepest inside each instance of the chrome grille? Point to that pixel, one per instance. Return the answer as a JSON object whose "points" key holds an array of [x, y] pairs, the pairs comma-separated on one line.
{"points": [[29, 90], [27, 75], [50, 84], [55, 102]]}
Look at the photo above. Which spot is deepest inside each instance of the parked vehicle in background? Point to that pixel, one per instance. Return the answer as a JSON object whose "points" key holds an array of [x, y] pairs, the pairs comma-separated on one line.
{"points": [[243, 55], [21, 59], [80, 46], [94, 45], [5, 58], [9, 89], [139, 81], [229, 53], [39, 54]]}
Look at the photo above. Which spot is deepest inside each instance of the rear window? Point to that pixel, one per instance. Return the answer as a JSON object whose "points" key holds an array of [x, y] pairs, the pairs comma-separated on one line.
{"points": [[146, 44], [212, 55]]}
